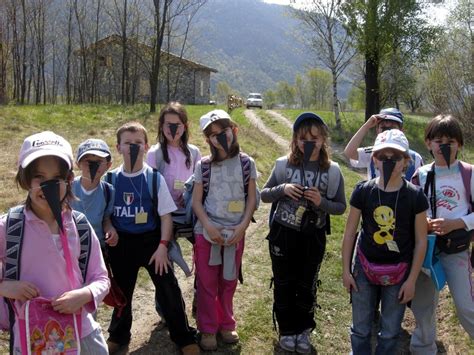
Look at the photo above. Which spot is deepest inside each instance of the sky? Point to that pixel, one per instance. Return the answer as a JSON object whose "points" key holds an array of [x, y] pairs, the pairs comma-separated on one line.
{"points": [[437, 13]]}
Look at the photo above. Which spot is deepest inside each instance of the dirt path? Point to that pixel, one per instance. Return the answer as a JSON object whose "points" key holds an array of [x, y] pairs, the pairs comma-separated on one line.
{"points": [[258, 123]]}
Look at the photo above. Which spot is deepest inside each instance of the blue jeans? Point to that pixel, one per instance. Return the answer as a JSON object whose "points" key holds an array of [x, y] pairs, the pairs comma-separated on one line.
{"points": [[364, 303]]}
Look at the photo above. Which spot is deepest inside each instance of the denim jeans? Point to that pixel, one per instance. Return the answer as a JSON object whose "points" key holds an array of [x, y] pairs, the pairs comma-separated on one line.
{"points": [[364, 303], [458, 276]]}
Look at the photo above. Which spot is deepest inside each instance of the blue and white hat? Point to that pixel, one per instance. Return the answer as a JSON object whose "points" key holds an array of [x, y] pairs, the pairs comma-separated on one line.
{"points": [[93, 146], [392, 114]]}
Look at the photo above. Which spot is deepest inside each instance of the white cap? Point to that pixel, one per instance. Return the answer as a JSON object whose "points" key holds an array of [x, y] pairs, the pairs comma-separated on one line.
{"points": [[393, 138], [44, 144], [213, 116]]}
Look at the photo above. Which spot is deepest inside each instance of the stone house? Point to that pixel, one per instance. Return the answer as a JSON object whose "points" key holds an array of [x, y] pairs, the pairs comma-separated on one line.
{"points": [[180, 79]]}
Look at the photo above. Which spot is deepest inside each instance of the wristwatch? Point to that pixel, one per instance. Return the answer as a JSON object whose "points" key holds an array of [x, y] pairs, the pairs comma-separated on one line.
{"points": [[164, 242]]}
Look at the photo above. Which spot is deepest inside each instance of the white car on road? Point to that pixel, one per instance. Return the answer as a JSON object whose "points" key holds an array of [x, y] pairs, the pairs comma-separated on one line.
{"points": [[254, 100]]}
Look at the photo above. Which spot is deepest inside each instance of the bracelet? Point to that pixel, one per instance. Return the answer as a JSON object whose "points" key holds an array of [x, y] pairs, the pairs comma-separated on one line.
{"points": [[164, 242]]}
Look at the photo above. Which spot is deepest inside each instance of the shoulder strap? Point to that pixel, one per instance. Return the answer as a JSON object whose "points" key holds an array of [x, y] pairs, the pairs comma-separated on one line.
{"points": [[466, 174], [107, 193], [334, 179], [245, 163], [111, 176], [14, 239], [85, 235], [153, 182], [411, 167], [280, 169], [194, 154], [206, 176], [431, 185], [372, 169], [160, 162]]}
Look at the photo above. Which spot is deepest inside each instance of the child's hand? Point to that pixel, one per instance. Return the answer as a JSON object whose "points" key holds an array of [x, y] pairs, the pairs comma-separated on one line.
{"points": [[294, 191], [111, 237], [160, 258], [349, 282], [239, 233], [18, 290], [442, 226], [72, 301], [312, 194], [215, 234], [407, 292], [372, 121]]}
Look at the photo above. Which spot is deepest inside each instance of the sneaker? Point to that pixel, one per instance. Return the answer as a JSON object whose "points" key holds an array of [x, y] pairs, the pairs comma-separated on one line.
{"points": [[208, 342], [191, 349], [229, 336], [303, 342], [288, 342], [115, 348]]}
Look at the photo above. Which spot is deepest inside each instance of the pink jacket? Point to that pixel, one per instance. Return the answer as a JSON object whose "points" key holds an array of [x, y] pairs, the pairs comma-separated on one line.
{"points": [[44, 265]]}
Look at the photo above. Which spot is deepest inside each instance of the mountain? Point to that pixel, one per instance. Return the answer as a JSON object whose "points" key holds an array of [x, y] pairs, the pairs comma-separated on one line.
{"points": [[252, 44]]}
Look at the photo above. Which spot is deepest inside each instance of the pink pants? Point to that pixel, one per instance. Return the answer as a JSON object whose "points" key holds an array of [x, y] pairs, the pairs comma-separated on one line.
{"points": [[214, 294]]}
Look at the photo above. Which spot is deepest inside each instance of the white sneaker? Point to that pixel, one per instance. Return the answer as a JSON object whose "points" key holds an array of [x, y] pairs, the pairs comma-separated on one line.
{"points": [[303, 342], [288, 342]]}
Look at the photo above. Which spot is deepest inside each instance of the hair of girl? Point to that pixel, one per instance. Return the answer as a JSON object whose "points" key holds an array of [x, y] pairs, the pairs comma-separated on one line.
{"points": [[296, 156], [234, 147], [24, 176], [178, 109], [444, 126]]}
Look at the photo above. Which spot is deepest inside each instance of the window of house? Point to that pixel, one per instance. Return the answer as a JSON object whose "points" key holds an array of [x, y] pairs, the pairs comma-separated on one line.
{"points": [[202, 88]]}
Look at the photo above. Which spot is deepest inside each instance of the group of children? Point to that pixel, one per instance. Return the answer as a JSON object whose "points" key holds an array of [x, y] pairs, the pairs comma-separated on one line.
{"points": [[138, 210]]}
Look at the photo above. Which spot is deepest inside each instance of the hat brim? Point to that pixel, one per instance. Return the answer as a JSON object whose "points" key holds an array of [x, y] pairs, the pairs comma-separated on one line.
{"points": [[389, 145], [392, 118], [212, 121], [99, 153], [45, 152]]}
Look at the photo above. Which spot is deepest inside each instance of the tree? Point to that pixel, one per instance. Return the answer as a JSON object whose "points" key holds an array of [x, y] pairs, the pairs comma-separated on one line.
{"points": [[329, 41], [450, 85], [380, 27], [319, 87], [286, 93], [164, 13], [223, 90]]}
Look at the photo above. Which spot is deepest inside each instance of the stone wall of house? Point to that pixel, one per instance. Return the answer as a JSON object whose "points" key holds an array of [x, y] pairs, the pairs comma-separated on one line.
{"points": [[193, 85]]}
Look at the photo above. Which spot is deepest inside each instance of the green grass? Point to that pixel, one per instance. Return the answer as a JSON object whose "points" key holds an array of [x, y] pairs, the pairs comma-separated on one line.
{"points": [[253, 300]]}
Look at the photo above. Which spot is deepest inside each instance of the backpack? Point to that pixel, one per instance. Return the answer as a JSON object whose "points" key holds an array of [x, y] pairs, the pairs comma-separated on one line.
{"points": [[14, 238], [153, 178], [206, 178], [334, 175], [160, 162], [408, 174]]}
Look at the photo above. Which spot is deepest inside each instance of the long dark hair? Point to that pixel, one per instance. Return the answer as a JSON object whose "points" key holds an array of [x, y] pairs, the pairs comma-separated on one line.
{"points": [[296, 156], [177, 109], [234, 147]]}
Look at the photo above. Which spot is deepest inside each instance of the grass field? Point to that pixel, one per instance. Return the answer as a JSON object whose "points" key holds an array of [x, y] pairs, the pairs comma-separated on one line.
{"points": [[253, 300]]}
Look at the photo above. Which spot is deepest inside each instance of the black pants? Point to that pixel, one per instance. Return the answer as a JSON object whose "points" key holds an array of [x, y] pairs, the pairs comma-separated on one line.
{"points": [[132, 252], [296, 259]]}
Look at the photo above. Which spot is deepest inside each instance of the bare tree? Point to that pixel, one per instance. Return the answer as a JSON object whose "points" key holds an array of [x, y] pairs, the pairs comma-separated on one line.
{"points": [[165, 11], [68, 56], [328, 39]]}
